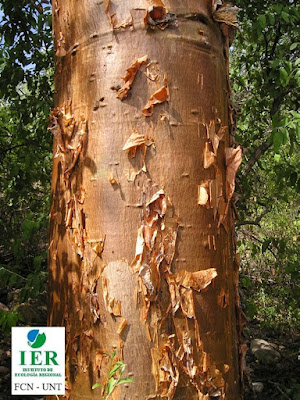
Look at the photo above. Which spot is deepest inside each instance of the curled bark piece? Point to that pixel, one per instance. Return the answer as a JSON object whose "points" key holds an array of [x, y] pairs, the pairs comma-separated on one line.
{"points": [[227, 14], [158, 97], [111, 305], [165, 369], [70, 137], [203, 193], [112, 18], [155, 3], [136, 140], [215, 4], [128, 22], [212, 144], [75, 224], [233, 161], [198, 280], [129, 77], [111, 179], [131, 174], [60, 46], [223, 298], [209, 157], [122, 326], [157, 16], [139, 250], [97, 245]]}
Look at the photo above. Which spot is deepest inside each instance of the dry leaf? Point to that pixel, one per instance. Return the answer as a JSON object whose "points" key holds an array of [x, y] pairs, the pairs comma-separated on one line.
{"points": [[233, 161], [160, 96], [129, 77]]}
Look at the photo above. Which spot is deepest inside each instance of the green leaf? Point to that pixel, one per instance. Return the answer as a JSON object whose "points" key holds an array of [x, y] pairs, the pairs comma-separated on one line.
{"points": [[115, 368], [251, 309], [113, 355], [271, 19], [96, 385], [277, 141], [276, 157], [110, 386], [262, 21], [278, 9], [293, 46], [125, 380], [285, 16], [265, 245], [284, 77], [37, 262]]}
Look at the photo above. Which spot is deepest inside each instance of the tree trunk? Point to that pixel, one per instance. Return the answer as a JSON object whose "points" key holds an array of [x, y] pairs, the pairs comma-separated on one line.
{"points": [[141, 226]]}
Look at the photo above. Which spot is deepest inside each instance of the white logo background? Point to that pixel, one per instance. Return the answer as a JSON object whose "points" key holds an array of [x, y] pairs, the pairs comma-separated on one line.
{"points": [[40, 378]]}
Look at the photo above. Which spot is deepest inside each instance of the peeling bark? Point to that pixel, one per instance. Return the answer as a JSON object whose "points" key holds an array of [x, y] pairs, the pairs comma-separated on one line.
{"points": [[141, 224]]}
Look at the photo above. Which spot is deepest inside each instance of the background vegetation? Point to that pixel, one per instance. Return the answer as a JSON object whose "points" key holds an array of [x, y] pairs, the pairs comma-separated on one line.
{"points": [[265, 78]]}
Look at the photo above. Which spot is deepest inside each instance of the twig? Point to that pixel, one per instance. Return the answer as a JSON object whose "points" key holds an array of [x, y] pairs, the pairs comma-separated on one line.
{"points": [[256, 221], [251, 235], [280, 390], [255, 156], [38, 6], [13, 273]]}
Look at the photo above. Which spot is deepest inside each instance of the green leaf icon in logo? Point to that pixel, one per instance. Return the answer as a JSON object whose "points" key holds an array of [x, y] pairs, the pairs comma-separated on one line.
{"points": [[36, 339]]}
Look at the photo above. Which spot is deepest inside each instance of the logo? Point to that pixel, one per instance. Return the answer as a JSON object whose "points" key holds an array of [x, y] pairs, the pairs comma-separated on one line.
{"points": [[38, 361], [36, 339]]}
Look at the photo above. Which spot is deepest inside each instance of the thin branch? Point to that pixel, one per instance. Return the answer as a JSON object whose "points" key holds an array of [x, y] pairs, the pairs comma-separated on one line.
{"points": [[13, 273], [280, 390], [38, 6], [276, 40], [3, 151], [238, 224], [255, 222], [251, 235], [256, 155]]}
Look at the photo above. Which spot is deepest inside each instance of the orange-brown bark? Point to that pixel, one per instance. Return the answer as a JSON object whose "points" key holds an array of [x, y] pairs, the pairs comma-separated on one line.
{"points": [[141, 225]]}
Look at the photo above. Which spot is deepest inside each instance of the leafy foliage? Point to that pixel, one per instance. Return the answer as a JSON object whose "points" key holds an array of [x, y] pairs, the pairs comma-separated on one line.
{"points": [[114, 377], [26, 95], [265, 76], [8, 320]]}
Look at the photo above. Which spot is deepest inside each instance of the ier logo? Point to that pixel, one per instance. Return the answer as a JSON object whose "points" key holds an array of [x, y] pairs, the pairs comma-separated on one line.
{"points": [[38, 361]]}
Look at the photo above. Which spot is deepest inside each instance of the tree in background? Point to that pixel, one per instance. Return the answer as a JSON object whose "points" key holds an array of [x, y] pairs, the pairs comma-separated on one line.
{"points": [[266, 77], [26, 63]]}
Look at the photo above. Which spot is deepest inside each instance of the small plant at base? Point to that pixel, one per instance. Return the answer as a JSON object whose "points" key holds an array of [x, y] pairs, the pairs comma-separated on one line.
{"points": [[114, 378]]}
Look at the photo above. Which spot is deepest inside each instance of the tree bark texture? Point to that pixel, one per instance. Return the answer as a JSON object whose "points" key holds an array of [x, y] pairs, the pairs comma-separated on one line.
{"points": [[141, 224]]}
